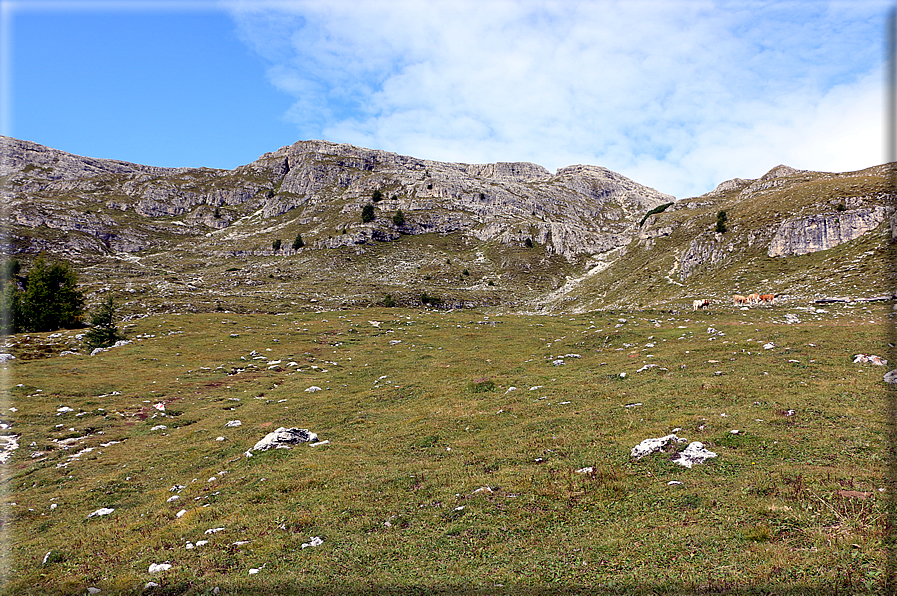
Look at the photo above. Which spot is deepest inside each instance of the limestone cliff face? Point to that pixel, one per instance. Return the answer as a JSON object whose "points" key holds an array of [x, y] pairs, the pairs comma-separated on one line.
{"points": [[580, 210], [803, 235]]}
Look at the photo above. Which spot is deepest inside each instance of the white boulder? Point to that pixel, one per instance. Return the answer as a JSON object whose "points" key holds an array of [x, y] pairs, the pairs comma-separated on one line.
{"points": [[649, 446], [283, 437], [695, 453]]}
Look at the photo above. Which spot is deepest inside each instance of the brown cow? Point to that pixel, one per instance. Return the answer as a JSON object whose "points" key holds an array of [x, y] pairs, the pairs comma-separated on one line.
{"points": [[738, 299], [753, 298], [771, 298], [700, 304]]}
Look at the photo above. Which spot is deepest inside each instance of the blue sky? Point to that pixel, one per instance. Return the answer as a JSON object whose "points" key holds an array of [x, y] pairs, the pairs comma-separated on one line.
{"points": [[676, 95]]}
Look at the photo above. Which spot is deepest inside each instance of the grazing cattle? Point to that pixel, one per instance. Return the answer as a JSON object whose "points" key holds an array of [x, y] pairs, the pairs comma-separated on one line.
{"points": [[753, 298], [739, 299], [771, 298], [700, 304]]}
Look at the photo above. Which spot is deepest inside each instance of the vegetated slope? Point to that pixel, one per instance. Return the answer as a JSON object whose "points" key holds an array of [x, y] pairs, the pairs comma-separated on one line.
{"points": [[798, 234], [505, 234], [461, 454]]}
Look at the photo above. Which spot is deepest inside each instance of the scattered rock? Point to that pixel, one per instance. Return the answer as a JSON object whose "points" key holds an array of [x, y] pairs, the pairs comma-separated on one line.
{"points": [[313, 389], [557, 362], [315, 541], [891, 376], [869, 359], [6, 358], [93, 590], [150, 585], [233, 424], [649, 446], [159, 427], [283, 437], [695, 453], [769, 346], [157, 567], [100, 512]]}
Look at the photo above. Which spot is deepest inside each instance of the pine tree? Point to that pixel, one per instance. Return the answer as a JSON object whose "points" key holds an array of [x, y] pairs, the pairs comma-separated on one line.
{"points": [[298, 243], [103, 331], [51, 299]]}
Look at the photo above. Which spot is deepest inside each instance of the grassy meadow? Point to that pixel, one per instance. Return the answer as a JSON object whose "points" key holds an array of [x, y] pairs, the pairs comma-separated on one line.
{"points": [[458, 456]]}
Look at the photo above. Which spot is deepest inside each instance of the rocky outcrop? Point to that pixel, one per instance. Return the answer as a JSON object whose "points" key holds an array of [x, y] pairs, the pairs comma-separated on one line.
{"points": [[579, 210], [803, 235], [701, 252]]}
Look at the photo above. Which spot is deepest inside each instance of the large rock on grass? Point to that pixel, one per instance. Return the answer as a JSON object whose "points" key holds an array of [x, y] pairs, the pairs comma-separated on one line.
{"points": [[282, 438]]}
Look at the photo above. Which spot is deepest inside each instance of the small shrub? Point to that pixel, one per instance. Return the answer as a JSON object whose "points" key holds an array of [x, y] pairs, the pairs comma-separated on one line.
{"points": [[399, 218], [217, 213], [658, 209], [427, 442], [481, 385], [377, 196], [841, 207], [367, 213], [389, 301], [276, 244], [298, 243], [491, 283], [721, 219], [103, 331], [528, 242], [465, 272]]}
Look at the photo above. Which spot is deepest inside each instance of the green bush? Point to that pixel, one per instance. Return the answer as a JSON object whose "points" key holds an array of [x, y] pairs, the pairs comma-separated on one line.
{"points": [[367, 213], [298, 243], [658, 209], [103, 331], [10, 309], [481, 385], [721, 219], [841, 207], [389, 301], [276, 244], [377, 196], [398, 218], [51, 299]]}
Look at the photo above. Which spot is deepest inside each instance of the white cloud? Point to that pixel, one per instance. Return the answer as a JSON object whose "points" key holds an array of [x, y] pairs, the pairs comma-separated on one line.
{"points": [[679, 96]]}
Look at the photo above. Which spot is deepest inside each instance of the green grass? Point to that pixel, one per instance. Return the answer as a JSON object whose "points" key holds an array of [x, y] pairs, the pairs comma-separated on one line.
{"points": [[438, 475]]}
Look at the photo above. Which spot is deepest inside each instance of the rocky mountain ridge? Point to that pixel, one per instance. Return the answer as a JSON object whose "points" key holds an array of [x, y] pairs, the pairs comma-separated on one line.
{"points": [[510, 234]]}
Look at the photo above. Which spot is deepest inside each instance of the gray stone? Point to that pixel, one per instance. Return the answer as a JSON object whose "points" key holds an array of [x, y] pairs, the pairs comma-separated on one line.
{"points": [[283, 437]]}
